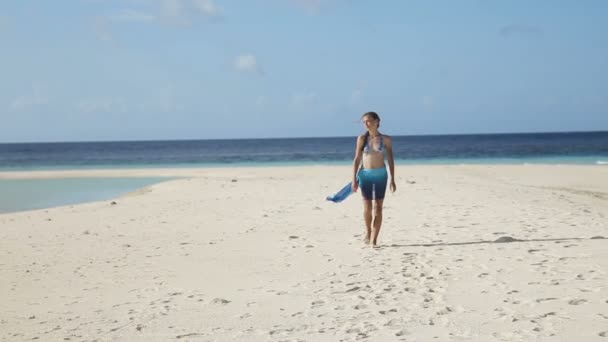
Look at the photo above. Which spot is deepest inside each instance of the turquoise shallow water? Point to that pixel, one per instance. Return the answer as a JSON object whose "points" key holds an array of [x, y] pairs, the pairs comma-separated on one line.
{"points": [[588, 148], [576, 160], [29, 194]]}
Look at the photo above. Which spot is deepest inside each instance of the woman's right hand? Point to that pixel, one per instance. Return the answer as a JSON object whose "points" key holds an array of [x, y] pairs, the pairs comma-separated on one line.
{"points": [[354, 185]]}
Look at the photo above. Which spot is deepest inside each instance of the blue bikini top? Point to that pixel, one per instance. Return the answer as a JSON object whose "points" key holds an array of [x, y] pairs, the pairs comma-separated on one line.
{"points": [[370, 147]]}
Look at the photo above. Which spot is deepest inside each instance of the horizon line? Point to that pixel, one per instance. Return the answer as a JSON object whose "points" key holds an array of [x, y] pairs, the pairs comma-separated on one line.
{"points": [[300, 137]]}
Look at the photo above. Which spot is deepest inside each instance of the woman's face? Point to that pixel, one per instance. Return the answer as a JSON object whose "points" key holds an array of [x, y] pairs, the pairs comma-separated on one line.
{"points": [[369, 122]]}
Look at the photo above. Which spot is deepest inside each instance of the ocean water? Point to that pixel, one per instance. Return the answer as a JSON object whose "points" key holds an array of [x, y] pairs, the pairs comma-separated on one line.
{"points": [[571, 148], [16, 195], [30, 194]]}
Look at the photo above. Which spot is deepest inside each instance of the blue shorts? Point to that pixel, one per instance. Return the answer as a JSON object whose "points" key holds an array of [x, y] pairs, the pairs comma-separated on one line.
{"points": [[372, 183]]}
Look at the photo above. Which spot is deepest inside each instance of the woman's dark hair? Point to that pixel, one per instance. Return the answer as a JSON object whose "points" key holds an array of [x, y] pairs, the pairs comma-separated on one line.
{"points": [[374, 116]]}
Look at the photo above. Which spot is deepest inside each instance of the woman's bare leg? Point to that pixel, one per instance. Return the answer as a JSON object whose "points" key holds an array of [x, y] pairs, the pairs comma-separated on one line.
{"points": [[377, 222], [367, 215]]}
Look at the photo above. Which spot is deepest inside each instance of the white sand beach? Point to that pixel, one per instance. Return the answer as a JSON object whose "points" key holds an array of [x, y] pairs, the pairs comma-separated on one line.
{"points": [[468, 253]]}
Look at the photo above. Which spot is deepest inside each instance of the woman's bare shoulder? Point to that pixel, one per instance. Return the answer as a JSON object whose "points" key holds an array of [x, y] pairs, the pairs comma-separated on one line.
{"points": [[387, 139]]}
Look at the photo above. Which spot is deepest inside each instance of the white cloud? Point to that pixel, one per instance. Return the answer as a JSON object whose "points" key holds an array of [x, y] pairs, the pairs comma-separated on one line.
{"points": [[185, 11], [129, 15], [3, 22], [28, 101], [261, 101], [102, 30], [167, 99], [358, 92], [356, 95], [428, 102], [171, 12], [247, 63], [207, 8], [303, 98], [101, 105], [171, 8], [25, 102], [311, 5], [316, 6]]}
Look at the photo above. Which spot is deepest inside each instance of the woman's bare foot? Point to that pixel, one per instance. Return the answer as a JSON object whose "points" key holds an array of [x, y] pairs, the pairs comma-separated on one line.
{"points": [[368, 236]]}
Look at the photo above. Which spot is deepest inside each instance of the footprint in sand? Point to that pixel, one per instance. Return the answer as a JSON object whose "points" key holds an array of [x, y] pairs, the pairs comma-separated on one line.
{"points": [[220, 301], [577, 301], [188, 335], [384, 312], [316, 304], [401, 333], [444, 311], [540, 300]]}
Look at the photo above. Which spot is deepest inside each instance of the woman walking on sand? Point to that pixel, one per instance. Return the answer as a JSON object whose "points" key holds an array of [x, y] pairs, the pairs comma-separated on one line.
{"points": [[369, 173]]}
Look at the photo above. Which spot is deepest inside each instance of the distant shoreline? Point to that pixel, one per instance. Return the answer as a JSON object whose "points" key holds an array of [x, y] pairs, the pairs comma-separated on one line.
{"points": [[287, 138], [541, 148], [585, 160], [42, 189]]}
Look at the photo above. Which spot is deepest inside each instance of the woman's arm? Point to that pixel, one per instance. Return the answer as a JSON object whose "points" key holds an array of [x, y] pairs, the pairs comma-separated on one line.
{"points": [[357, 162], [391, 161]]}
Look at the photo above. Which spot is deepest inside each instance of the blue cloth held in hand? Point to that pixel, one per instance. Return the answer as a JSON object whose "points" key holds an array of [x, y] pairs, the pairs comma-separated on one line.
{"points": [[342, 194]]}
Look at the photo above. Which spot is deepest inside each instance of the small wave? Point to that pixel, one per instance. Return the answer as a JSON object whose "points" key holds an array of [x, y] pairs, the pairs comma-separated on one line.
{"points": [[601, 162]]}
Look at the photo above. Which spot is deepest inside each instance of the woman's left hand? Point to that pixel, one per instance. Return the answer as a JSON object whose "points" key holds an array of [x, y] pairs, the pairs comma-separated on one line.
{"points": [[393, 186]]}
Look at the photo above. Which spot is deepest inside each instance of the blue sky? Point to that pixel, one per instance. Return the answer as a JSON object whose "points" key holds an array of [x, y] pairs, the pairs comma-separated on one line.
{"points": [[202, 69]]}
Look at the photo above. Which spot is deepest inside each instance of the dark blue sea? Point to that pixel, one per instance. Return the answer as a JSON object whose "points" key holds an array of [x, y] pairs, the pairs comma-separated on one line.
{"points": [[28, 194], [569, 148]]}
